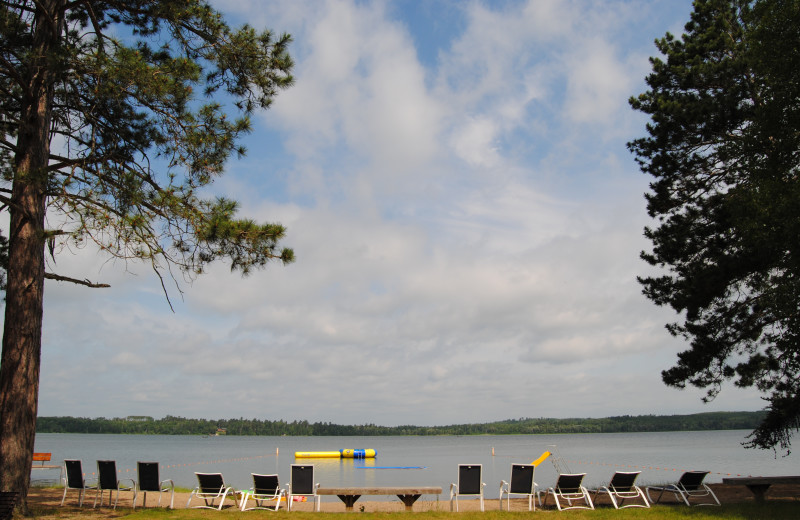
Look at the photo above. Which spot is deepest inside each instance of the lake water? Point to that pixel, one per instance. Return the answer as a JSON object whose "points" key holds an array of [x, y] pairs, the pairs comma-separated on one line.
{"points": [[661, 457]]}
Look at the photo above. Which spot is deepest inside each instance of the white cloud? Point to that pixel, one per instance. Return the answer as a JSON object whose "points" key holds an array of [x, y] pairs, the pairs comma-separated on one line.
{"points": [[461, 228]]}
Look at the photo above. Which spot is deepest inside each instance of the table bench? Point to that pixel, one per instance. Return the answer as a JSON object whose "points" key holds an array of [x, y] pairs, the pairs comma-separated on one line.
{"points": [[408, 495], [760, 485], [43, 457]]}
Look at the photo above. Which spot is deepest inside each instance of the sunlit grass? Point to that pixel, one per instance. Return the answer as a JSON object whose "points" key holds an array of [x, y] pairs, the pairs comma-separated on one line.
{"points": [[745, 511]]}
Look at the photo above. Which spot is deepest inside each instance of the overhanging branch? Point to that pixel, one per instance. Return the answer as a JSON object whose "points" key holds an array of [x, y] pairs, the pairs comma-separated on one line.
{"points": [[87, 283]]}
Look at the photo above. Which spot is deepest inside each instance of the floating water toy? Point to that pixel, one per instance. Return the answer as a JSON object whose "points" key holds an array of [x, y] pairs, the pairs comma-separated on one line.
{"points": [[541, 459], [341, 454]]}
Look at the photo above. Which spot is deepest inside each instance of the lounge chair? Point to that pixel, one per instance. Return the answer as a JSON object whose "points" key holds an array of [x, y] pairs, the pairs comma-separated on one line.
{"points": [[621, 488], [147, 472], [107, 481], [521, 483], [689, 486], [211, 487], [569, 488], [469, 484], [301, 483], [73, 479], [265, 488]]}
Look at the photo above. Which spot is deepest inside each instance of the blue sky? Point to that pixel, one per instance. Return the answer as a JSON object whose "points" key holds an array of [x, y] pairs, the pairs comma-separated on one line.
{"points": [[467, 223]]}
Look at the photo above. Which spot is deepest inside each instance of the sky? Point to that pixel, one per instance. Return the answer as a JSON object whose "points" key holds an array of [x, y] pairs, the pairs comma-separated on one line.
{"points": [[467, 223]]}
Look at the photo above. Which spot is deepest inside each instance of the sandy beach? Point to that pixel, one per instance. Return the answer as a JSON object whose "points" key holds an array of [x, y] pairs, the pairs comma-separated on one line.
{"points": [[50, 497]]}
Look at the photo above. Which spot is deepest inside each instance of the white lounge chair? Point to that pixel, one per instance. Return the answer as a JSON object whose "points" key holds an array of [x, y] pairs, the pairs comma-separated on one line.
{"points": [[469, 484], [301, 483], [73, 479], [689, 486], [569, 488], [147, 473], [265, 489], [211, 487], [107, 481], [623, 487], [521, 483]]}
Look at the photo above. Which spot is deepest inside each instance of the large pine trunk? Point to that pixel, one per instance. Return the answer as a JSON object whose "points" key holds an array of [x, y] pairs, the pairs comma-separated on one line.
{"points": [[22, 335]]}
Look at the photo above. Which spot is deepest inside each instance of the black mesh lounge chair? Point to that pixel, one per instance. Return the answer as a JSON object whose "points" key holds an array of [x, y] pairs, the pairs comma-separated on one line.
{"points": [[210, 488], [147, 473], [469, 484], [107, 481], [569, 488], [621, 488], [73, 479], [301, 483], [689, 486], [265, 488], [521, 483]]}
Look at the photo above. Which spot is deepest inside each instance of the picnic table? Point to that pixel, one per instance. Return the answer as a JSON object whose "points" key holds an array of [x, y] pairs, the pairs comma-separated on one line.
{"points": [[39, 459], [409, 495], [760, 485]]}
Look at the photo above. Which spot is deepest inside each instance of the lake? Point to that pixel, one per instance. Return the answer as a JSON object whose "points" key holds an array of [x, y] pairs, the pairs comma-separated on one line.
{"points": [[661, 457]]}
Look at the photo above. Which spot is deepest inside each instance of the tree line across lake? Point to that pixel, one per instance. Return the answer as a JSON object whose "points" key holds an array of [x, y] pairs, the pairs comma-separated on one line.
{"points": [[171, 425]]}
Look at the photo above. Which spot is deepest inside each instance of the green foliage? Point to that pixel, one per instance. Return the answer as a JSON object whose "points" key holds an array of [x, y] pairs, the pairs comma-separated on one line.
{"points": [[171, 425], [723, 147], [150, 100]]}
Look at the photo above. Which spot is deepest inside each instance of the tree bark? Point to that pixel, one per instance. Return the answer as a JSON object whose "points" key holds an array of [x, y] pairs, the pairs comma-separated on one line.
{"points": [[22, 335]]}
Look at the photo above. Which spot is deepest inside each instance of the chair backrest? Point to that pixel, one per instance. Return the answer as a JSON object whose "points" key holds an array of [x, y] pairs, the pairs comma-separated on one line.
{"points": [[623, 480], [210, 482], [302, 479], [691, 480], [147, 473], [74, 472], [521, 478], [265, 484], [107, 474], [570, 482], [469, 479]]}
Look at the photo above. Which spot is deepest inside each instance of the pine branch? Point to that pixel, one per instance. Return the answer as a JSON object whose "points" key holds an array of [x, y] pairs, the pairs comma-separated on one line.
{"points": [[86, 282]]}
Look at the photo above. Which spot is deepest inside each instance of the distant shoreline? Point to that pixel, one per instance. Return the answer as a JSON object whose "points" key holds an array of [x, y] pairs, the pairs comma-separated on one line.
{"points": [[171, 425]]}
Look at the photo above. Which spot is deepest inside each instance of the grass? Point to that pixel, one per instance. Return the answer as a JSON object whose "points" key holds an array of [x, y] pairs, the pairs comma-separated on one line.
{"points": [[746, 511]]}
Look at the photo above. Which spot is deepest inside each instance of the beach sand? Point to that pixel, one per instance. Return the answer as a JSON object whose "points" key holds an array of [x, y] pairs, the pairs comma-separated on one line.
{"points": [[49, 497]]}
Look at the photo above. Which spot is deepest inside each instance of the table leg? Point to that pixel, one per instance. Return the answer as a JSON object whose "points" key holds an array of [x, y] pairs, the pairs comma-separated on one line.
{"points": [[758, 490], [349, 500], [408, 500]]}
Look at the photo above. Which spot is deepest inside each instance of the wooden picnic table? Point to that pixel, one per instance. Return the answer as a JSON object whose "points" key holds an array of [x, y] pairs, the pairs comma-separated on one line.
{"points": [[409, 495], [760, 485]]}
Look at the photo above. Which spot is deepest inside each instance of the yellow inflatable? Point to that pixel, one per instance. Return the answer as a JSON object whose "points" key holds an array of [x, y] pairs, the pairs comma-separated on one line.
{"points": [[343, 454], [317, 454], [541, 459]]}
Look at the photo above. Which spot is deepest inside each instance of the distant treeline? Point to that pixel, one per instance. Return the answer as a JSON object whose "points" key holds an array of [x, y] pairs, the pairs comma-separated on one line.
{"points": [[171, 425]]}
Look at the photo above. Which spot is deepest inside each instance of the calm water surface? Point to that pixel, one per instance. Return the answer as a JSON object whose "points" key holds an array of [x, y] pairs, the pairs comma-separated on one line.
{"points": [[660, 456]]}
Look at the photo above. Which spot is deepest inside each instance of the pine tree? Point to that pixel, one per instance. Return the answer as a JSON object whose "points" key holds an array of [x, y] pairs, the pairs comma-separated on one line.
{"points": [[114, 115], [723, 146]]}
